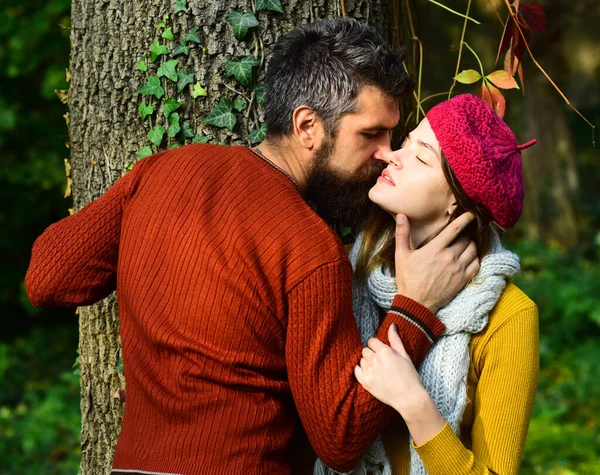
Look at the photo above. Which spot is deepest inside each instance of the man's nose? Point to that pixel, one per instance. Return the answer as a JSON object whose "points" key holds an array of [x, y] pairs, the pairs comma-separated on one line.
{"points": [[383, 149]]}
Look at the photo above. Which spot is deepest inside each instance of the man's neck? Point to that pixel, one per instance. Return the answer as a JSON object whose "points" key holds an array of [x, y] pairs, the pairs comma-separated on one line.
{"points": [[285, 156]]}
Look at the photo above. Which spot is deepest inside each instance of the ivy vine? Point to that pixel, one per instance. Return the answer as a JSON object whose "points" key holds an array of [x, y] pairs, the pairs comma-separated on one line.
{"points": [[159, 111]]}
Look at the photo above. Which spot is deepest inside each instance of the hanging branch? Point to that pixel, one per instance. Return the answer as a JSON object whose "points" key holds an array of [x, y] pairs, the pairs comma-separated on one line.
{"points": [[420, 75], [515, 19], [460, 48]]}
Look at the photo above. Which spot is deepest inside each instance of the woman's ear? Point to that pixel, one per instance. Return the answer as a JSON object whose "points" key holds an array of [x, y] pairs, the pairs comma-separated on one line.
{"points": [[308, 129], [452, 207]]}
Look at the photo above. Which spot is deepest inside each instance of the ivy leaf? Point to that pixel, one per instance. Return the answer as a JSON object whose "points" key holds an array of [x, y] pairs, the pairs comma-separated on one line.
{"points": [[502, 80], [222, 115], [157, 50], [152, 88], [170, 106], [187, 130], [174, 126], [242, 70], [468, 76], [181, 7], [198, 91], [168, 34], [273, 5], [169, 70], [239, 104], [185, 78], [156, 135], [200, 139], [141, 66], [258, 135], [182, 49], [160, 24], [192, 36], [145, 110], [241, 23], [259, 90], [144, 152]]}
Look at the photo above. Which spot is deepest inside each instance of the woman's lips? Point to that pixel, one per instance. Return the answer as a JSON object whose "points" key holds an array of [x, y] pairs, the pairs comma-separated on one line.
{"points": [[386, 178]]}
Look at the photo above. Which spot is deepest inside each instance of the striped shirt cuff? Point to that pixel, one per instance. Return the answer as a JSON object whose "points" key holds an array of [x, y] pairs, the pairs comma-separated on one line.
{"points": [[417, 326]]}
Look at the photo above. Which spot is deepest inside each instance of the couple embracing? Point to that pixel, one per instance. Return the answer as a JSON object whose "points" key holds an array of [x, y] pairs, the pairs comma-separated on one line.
{"points": [[242, 318]]}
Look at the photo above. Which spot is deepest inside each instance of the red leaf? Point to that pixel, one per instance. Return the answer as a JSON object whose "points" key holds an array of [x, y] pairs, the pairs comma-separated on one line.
{"points": [[533, 14], [503, 80], [485, 96], [499, 103], [507, 35]]}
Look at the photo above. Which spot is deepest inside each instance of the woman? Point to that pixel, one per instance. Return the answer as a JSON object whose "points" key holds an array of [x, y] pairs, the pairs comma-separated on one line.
{"points": [[467, 409]]}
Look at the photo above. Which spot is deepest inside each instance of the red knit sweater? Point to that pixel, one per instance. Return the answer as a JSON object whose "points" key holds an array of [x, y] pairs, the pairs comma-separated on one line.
{"points": [[236, 317]]}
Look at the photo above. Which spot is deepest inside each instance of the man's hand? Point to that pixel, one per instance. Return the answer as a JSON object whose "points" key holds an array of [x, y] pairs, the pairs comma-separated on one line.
{"points": [[434, 274]]}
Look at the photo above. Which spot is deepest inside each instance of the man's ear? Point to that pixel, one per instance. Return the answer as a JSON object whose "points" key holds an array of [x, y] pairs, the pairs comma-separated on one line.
{"points": [[308, 128]]}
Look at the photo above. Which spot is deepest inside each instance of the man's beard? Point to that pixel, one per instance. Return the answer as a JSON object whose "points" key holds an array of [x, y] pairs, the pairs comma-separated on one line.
{"points": [[341, 200]]}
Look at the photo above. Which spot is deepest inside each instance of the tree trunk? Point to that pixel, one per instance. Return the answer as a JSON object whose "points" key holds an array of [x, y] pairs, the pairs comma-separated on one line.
{"points": [[109, 39]]}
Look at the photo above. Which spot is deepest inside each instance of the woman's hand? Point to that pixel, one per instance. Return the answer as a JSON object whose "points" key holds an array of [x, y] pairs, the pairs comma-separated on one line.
{"points": [[389, 375]]}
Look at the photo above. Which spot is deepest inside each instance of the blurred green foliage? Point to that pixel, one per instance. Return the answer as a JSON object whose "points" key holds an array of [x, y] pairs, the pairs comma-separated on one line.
{"points": [[39, 392], [564, 436], [39, 404]]}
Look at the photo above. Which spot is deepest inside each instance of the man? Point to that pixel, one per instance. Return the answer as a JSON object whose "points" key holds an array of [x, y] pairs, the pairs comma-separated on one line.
{"points": [[234, 296]]}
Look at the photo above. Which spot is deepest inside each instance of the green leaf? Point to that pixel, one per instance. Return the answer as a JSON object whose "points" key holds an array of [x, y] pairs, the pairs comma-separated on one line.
{"points": [[170, 106], [152, 88], [185, 78], [180, 7], [222, 115], [145, 152], [259, 90], [200, 139], [468, 76], [258, 135], [241, 22], [169, 70], [182, 49], [145, 110], [157, 50], [187, 130], [198, 91], [156, 135], [192, 36], [174, 126], [239, 104], [242, 70], [141, 66], [168, 34], [160, 24], [273, 5]]}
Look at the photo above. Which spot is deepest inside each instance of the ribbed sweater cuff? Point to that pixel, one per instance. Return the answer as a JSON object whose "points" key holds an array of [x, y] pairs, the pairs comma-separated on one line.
{"points": [[443, 451], [417, 326]]}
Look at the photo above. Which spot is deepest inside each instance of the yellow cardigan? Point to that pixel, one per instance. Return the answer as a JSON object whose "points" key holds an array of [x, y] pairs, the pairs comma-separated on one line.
{"points": [[501, 385]]}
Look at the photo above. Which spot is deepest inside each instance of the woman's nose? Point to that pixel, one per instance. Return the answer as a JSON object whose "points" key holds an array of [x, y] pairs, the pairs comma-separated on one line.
{"points": [[393, 158]]}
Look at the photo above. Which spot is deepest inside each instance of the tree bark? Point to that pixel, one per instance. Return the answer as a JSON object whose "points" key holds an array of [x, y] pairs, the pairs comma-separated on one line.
{"points": [[106, 131]]}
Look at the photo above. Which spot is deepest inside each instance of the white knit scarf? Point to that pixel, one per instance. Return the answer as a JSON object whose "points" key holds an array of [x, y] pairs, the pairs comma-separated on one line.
{"points": [[445, 369]]}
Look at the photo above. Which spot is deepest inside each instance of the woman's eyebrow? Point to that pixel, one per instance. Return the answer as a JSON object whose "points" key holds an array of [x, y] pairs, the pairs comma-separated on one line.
{"points": [[426, 145]]}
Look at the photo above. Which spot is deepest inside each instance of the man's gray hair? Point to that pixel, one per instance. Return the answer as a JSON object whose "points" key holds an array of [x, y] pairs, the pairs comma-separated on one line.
{"points": [[324, 65]]}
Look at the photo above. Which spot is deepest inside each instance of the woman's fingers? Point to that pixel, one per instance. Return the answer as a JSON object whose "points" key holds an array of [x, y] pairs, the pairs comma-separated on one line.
{"points": [[367, 353]]}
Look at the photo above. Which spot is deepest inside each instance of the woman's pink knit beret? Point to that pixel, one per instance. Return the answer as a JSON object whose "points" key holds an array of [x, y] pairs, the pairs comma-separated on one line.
{"points": [[483, 153]]}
